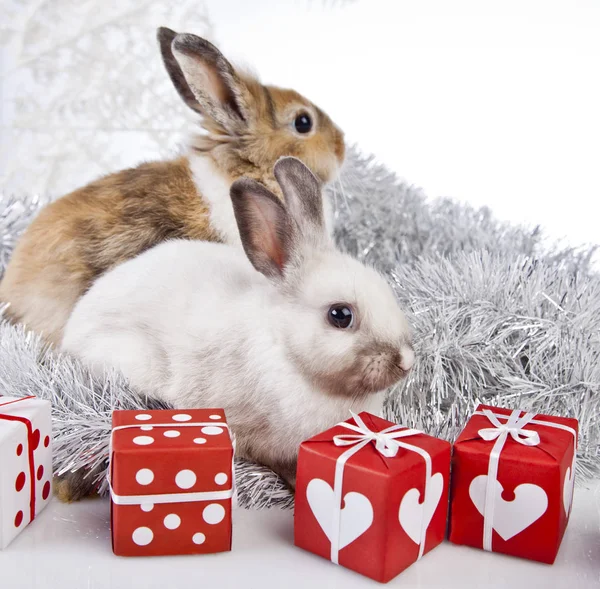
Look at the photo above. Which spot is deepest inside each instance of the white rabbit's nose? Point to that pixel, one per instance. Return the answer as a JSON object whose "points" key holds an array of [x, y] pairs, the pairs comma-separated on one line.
{"points": [[408, 358]]}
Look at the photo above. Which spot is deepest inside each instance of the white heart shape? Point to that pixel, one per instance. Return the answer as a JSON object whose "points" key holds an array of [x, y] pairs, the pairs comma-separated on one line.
{"points": [[412, 513], [568, 487], [356, 515], [510, 517]]}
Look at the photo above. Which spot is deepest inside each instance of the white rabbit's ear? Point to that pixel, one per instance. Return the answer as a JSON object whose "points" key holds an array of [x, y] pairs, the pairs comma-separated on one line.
{"points": [[266, 230], [303, 197], [205, 80]]}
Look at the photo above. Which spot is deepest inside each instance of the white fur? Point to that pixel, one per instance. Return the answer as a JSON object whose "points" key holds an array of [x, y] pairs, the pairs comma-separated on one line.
{"points": [[179, 340], [214, 186], [329, 214]]}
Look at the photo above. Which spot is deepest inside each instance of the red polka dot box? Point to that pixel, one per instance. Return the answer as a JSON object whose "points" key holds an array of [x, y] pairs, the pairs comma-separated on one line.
{"points": [[26, 463], [171, 482]]}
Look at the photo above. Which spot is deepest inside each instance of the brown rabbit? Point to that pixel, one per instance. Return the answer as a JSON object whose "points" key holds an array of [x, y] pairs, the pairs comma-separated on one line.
{"points": [[247, 127]]}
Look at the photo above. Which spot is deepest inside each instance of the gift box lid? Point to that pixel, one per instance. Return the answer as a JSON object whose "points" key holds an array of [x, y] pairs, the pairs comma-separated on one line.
{"points": [[369, 459], [13, 408], [139, 431], [170, 452], [557, 434]]}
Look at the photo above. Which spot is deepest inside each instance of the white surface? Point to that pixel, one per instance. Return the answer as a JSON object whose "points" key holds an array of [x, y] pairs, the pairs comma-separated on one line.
{"points": [[68, 547]]}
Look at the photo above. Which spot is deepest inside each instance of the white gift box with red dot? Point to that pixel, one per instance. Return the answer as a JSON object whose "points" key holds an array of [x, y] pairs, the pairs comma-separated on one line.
{"points": [[171, 482], [26, 463]]}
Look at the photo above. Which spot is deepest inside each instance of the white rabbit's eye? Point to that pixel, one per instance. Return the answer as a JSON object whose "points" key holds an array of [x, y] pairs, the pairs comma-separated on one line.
{"points": [[303, 123], [341, 316]]}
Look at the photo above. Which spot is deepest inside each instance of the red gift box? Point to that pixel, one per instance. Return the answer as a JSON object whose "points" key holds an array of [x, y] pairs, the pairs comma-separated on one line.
{"points": [[358, 495], [171, 477], [513, 475]]}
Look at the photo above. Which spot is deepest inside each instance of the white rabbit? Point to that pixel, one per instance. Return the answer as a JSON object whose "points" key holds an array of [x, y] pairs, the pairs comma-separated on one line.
{"points": [[286, 337]]}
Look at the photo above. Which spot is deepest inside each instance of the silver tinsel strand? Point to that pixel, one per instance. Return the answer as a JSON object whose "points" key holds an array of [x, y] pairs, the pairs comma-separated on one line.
{"points": [[500, 317]]}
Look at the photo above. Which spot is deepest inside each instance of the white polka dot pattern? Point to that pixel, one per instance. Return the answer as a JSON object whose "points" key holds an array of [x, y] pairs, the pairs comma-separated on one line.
{"points": [[199, 440], [172, 521], [142, 536], [171, 433], [221, 478], [146, 428], [185, 479], [212, 430], [144, 476], [143, 417], [215, 417], [182, 417], [147, 506], [213, 513], [198, 538], [143, 440]]}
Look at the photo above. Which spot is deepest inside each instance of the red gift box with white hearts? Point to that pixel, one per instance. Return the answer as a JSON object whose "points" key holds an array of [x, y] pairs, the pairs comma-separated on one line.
{"points": [[26, 459], [359, 495], [171, 480], [513, 475]]}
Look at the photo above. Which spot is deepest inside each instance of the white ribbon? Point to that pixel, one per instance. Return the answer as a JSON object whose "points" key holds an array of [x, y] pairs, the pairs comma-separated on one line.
{"points": [[171, 497], [387, 444], [500, 432], [169, 425], [513, 427], [535, 422]]}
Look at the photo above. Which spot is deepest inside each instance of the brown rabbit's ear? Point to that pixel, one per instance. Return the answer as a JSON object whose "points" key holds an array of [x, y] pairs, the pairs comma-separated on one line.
{"points": [[204, 79], [265, 227], [303, 196]]}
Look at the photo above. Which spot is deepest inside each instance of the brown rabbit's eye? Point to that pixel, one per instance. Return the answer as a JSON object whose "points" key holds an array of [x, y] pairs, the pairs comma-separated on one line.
{"points": [[341, 316], [303, 123]]}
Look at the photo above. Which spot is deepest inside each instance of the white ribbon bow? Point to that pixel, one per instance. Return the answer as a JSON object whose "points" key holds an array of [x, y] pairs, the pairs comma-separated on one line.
{"points": [[385, 440], [500, 432], [387, 444], [513, 427]]}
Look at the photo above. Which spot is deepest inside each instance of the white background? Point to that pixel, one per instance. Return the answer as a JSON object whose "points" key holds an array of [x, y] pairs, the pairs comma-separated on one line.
{"points": [[494, 103]]}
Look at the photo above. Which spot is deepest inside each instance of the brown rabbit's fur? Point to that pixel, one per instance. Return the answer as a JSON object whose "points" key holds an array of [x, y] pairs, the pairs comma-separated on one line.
{"points": [[84, 234]]}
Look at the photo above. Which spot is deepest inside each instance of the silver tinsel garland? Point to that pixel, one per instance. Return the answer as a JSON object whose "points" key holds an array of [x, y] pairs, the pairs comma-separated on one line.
{"points": [[499, 317]]}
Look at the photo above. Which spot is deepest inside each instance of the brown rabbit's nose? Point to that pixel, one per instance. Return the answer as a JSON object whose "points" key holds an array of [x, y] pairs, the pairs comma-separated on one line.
{"points": [[407, 358]]}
